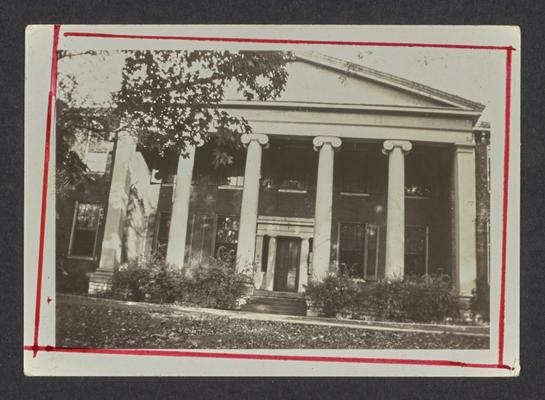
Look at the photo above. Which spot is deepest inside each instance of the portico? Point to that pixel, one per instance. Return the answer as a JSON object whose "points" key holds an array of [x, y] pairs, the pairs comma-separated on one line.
{"points": [[334, 183]]}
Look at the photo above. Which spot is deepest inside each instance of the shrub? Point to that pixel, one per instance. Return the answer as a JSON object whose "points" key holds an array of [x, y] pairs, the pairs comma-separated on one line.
{"points": [[417, 299], [213, 284], [480, 302], [218, 284], [333, 294], [151, 280]]}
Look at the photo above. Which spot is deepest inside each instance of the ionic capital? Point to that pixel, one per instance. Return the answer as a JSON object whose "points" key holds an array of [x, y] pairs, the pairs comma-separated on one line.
{"points": [[389, 145], [260, 138], [319, 141]]}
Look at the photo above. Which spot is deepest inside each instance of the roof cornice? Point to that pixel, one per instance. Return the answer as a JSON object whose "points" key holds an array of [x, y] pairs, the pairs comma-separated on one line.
{"points": [[350, 108]]}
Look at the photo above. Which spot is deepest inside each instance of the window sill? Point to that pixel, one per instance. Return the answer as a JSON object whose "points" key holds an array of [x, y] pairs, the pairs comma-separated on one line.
{"points": [[354, 194], [227, 187], [292, 191], [82, 258], [417, 197]]}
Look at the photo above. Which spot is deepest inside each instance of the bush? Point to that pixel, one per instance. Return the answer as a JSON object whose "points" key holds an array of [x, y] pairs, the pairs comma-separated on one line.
{"points": [[425, 299], [334, 294], [152, 280], [215, 284]]}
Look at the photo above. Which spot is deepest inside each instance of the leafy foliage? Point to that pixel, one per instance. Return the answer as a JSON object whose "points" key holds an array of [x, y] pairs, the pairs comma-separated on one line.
{"points": [[168, 100], [333, 294], [217, 284], [172, 98], [214, 284], [417, 299], [153, 280], [102, 323]]}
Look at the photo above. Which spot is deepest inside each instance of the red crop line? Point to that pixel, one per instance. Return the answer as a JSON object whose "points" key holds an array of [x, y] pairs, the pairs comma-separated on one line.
{"points": [[269, 357], [281, 41], [501, 330], [50, 111]]}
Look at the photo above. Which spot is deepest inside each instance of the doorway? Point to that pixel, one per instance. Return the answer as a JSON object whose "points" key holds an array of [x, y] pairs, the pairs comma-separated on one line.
{"points": [[286, 272]]}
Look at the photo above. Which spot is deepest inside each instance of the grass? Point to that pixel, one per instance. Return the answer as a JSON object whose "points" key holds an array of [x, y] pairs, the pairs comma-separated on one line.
{"points": [[85, 322]]}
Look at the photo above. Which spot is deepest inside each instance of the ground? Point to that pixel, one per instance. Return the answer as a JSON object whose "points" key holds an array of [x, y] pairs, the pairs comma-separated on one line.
{"points": [[101, 323]]}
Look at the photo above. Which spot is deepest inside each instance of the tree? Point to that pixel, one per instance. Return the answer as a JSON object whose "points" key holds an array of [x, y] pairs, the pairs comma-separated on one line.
{"points": [[169, 100]]}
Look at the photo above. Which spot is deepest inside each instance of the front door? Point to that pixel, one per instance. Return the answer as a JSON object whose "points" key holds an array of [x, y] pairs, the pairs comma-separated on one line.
{"points": [[287, 264]]}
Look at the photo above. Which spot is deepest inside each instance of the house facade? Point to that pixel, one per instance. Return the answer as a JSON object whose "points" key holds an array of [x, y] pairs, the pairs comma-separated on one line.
{"points": [[351, 169]]}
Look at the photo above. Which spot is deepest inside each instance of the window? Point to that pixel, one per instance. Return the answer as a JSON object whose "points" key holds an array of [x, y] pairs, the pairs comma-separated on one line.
{"points": [[96, 154], [358, 249], [87, 220], [289, 167], [416, 250], [161, 233], [351, 172], [419, 170], [226, 238]]}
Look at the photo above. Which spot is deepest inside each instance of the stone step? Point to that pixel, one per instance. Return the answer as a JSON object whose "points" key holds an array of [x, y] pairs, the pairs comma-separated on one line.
{"points": [[268, 309], [272, 300], [277, 303], [271, 293]]}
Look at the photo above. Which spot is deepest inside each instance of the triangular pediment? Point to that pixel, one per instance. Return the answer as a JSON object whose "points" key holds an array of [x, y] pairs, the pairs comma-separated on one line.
{"points": [[317, 78]]}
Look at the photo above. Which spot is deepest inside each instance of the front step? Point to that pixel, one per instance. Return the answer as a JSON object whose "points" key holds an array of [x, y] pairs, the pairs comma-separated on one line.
{"points": [[268, 302]]}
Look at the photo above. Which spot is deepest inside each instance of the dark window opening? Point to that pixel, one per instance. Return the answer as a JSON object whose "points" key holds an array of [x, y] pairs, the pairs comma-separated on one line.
{"points": [[289, 166], [226, 238], [87, 221], [162, 231], [358, 250], [265, 254], [416, 250]]}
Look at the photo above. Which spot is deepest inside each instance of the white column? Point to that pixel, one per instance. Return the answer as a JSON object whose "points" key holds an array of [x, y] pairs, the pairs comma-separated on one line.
{"points": [[180, 209], [110, 256], [303, 265], [395, 217], [250, 199], [465, 245], [324, 202], [271, 264]]}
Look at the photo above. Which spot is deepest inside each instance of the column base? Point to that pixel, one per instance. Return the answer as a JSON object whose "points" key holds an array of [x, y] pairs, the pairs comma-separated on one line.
{"points": [[100, 281]]}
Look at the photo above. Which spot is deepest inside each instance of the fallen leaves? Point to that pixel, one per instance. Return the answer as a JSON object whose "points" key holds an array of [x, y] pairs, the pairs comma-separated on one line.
{"points": [[111, 325]]}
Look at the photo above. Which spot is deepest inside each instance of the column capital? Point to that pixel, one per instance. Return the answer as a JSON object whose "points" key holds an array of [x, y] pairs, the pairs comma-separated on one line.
{"points": [[261, 138], [389, 145], [319, 141]]}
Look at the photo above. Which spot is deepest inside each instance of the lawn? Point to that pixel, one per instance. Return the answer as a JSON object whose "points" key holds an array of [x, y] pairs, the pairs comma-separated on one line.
{"points": [[86, 322]]}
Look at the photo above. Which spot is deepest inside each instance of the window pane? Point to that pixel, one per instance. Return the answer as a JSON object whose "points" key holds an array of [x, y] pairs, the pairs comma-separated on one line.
{"points": [[415, 250], [226, 238], [415, 240], [83, 243], [351, 262], [88, 216], [351, 254]]}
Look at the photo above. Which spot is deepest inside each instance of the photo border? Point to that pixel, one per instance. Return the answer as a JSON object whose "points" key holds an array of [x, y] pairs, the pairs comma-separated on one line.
{"points": [[36, 347]]}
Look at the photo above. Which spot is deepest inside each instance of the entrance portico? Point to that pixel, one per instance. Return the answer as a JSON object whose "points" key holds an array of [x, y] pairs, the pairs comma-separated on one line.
{"points": [[327, 223]]}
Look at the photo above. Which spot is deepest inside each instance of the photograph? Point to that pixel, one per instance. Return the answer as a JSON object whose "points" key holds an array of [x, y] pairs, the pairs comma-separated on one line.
{"points": [[278, 197]]}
